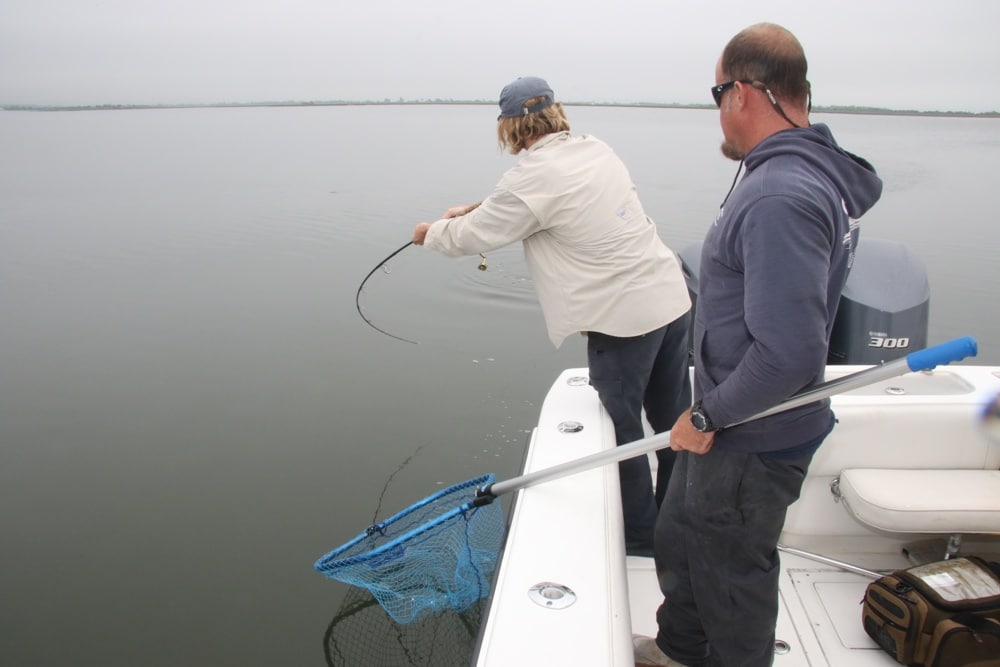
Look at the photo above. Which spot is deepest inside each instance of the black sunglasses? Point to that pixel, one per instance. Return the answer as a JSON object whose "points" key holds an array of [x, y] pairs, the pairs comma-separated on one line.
{"points": [[719, 89]]}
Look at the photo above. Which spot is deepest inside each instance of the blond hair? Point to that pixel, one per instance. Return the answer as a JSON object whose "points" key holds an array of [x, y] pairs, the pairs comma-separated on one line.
{"points": [[513, 134]]}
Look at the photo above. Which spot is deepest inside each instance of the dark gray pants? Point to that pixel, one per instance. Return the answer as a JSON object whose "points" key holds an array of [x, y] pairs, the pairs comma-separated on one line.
{"points": [[717, 558], [652, 372]]}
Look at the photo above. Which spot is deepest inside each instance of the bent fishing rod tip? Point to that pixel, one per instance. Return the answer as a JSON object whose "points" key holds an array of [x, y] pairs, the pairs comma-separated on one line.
{"points": [[384, 265], [357, 297]]}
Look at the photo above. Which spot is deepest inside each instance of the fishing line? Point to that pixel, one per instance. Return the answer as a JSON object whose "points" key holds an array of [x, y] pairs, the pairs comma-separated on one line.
{"points": [[357, 297], [385, 487]]}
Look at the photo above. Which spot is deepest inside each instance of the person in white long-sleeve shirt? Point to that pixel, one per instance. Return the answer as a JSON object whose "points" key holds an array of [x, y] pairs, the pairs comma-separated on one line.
{"points": [[599, 267]]}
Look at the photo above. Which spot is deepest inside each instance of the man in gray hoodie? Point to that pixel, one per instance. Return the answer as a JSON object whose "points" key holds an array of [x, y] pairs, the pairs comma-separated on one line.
{"points": [[773, 266]]}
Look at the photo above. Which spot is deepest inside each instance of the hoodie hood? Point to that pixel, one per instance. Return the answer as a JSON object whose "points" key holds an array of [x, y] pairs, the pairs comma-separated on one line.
{"points": [[855, 178]]}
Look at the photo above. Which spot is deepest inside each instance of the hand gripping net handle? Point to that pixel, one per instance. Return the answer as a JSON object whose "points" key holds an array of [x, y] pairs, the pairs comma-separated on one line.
{"points": [[926, 359]]}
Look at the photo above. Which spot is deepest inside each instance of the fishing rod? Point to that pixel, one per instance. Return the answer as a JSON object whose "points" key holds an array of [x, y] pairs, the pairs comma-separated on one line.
{"points": [[357, 297]]}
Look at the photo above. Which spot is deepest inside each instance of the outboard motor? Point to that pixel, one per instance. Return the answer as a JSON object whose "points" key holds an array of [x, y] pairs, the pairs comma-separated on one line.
{"points": [[885, 306], [884, 309]]}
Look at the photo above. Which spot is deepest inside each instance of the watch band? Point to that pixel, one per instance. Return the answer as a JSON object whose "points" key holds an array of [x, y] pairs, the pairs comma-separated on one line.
{"points": [[700, 419]]}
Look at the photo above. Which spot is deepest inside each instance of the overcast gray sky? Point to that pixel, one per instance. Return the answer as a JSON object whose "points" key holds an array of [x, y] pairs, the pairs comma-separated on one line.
{"points": [[901, 54]]}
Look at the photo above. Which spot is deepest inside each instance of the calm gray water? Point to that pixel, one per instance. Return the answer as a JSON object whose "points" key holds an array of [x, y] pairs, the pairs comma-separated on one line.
{"points": [[191, 409]]}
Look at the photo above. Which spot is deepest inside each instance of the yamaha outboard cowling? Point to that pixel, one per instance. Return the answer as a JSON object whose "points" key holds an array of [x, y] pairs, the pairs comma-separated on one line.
{"points": [[884, 309]]}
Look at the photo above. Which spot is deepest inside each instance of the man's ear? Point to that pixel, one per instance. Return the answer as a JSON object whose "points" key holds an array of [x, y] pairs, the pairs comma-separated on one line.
{"points": [[737, 93]]}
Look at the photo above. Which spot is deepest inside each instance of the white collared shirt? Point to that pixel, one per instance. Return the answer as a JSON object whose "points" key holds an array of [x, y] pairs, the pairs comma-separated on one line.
{"points": [[596, 259]]}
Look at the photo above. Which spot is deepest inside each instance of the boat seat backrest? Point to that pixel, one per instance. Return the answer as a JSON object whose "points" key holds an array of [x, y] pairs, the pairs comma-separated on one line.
{"points": [[915, 460], [904, 436]]}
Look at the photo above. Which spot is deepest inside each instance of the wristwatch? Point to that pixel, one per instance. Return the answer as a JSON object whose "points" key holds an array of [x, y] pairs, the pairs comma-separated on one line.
{"points": [[700, 419]]}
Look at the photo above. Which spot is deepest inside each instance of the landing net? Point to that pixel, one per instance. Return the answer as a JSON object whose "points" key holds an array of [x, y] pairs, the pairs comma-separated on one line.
{"points": [[439, 553], [361, 633]]}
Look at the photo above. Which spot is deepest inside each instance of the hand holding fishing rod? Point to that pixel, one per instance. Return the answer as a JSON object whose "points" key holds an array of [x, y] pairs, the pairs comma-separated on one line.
{"points": [[420, 231]]}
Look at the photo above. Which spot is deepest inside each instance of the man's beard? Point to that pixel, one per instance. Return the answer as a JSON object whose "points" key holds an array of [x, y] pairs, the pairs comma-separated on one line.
{"points": [[731, 151]]}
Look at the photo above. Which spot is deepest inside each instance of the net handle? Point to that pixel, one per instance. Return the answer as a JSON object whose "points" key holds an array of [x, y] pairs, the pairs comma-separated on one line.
{"points": [[926, 359]]}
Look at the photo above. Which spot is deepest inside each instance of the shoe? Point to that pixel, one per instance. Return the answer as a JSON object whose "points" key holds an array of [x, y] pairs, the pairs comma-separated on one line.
{"points": [[648, 654]]}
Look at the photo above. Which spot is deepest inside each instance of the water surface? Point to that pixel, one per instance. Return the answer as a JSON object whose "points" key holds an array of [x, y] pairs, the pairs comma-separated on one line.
{"points": [[192, 410]]}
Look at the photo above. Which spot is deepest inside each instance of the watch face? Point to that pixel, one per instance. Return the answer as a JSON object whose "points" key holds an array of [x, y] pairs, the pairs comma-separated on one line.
{"points": [[698, 420]]}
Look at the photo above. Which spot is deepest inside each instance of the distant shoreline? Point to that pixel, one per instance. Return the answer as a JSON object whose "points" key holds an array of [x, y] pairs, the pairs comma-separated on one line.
{"points": [[640, 105]]}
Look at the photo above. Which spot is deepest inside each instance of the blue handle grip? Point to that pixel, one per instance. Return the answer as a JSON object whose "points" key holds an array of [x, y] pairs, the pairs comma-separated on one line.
{"points": [[953, 350]]}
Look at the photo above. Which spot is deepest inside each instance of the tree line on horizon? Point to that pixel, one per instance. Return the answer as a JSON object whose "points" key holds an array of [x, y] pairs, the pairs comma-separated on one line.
{"points": [[855, 109]]}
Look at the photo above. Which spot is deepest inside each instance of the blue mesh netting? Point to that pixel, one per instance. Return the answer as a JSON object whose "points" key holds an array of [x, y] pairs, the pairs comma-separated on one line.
{"points": [[438, 553]]}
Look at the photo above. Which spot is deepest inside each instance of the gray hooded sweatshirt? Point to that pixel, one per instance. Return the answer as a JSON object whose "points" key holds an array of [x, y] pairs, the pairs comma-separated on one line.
{"points": [[773, 267]]}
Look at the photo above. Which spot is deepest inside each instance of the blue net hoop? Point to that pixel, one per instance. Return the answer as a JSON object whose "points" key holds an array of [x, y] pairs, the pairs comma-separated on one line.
{"points": [[439, 553]]}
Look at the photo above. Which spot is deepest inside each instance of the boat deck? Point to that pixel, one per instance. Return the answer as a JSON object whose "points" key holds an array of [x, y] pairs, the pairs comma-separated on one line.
{"points": [[826, 599], [819, 618]]}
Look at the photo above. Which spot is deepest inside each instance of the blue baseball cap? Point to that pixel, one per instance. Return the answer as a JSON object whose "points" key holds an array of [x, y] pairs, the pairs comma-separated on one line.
{"points": [[516, 93]]}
